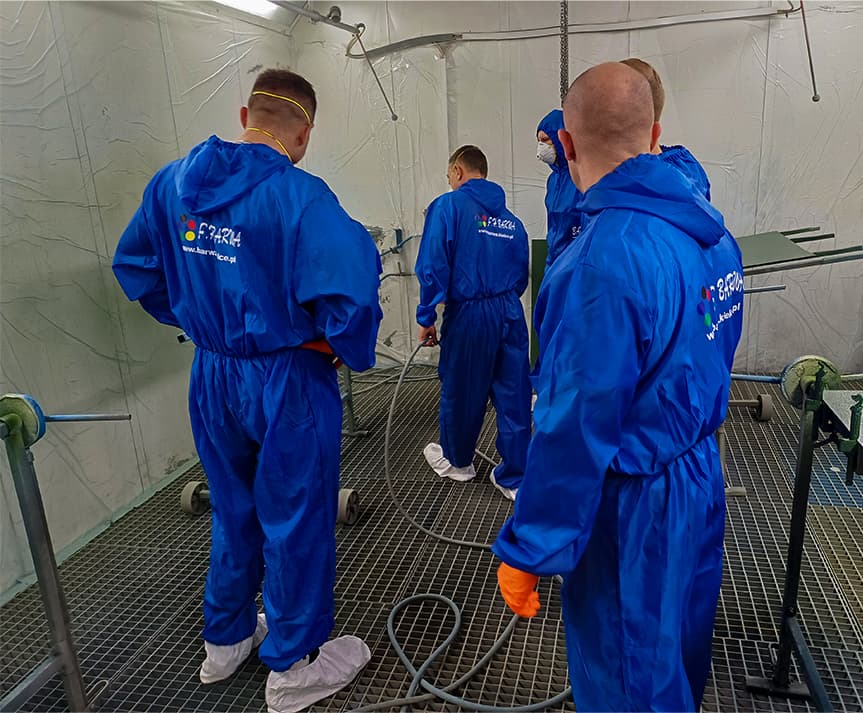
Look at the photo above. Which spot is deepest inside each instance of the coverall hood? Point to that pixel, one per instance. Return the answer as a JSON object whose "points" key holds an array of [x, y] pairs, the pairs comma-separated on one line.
{"points": [[217, 173], [682, 159], [646, 184], [551, 124], [489, 195]]}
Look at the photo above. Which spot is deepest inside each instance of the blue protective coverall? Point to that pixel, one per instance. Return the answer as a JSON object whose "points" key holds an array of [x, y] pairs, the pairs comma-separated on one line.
{"points": [[561, 195], [254, 257], [681, 158], [623, 493], [474, 258]]}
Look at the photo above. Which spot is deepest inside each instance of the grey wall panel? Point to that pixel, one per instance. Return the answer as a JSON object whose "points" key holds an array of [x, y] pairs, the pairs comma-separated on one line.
{"points": [[96, 97]]}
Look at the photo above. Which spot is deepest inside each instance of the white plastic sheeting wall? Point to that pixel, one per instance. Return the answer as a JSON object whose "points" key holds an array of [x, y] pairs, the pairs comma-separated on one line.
{"points": [[738, 95], [95, 97]]}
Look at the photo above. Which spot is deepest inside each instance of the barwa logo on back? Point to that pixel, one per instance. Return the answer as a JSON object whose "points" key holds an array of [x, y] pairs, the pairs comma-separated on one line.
{"points": [[213, 237], [713, 308], [495, 227]]}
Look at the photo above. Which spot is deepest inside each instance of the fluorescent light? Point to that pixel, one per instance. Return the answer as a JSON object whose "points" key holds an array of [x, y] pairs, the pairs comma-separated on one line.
{"points": [[261, 8]]}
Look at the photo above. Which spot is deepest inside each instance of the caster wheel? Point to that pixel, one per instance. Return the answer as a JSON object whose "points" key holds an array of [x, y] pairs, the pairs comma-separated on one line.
{"points": [[195, 498], [349, 506], [764, 410]]}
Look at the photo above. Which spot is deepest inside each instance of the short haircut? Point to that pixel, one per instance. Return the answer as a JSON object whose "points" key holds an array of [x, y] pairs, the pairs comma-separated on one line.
{"points": [[656, 88], [609, 110], [472, 158], [287, 84]]}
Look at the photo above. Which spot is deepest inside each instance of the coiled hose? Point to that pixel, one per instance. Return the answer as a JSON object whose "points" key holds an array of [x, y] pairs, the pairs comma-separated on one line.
{"points": [[418, 681]]}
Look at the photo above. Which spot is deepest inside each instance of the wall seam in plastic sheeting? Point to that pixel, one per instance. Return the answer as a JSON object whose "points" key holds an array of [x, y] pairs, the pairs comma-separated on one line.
{"points": [[753, 334], [451, 109], [395, 124], [97, 223], [160, 18], [628, 34], [511, 121], [234, 33]]}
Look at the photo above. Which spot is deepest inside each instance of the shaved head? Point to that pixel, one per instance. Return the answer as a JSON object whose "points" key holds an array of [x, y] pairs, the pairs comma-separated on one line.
{"points": [[608, 114]]}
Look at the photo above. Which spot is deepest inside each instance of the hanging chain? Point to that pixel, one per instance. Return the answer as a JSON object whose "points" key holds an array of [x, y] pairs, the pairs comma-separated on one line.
{"points": [[564, 48]]}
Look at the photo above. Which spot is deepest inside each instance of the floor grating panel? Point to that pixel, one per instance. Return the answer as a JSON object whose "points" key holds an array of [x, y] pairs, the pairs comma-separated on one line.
{"points": [[134, 592]]}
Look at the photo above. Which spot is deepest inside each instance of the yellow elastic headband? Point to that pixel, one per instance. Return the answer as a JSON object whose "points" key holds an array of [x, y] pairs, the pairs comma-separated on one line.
{"points": [[287, 99]]}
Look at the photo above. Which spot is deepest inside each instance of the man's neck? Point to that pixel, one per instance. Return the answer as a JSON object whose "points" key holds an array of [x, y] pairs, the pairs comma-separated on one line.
{"points": [[595, 171], [471, 177]]}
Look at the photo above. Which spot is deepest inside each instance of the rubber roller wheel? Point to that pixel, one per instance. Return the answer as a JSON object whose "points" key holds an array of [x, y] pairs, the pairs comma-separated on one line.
{"points": [[30, 413], [764, 410], [803, 370], [195, 498], [349, 506]]}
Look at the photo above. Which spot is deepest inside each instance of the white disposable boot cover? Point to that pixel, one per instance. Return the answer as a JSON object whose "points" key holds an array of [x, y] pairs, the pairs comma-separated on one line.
{"points": [[223, 661], [338, 663], [434, 457], [508, 493]]}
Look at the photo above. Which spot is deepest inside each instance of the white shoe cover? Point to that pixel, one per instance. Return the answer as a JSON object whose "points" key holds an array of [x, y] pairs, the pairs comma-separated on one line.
{"points": [[508, 493], [337, 664], [223, 661], [434, 457]]}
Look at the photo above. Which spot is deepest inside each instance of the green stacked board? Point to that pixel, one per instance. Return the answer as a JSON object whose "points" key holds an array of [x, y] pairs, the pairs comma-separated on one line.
{"points": [[538, 254]]}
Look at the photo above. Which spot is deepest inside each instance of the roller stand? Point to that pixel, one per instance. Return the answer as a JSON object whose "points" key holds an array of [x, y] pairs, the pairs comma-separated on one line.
{"points": [[813, 385], [22, 423], [195, 500], [760, 408]]}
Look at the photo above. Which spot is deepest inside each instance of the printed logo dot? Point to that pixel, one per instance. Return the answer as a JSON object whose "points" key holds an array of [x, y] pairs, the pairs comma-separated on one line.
{"points": [[190, 236]]}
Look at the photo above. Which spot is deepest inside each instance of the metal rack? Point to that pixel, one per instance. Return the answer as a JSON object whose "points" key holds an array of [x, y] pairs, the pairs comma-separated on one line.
{"points": [[22, 424], [813, 385]]}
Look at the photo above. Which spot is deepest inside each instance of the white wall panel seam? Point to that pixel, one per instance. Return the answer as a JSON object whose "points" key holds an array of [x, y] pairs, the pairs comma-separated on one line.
{"points": [[98, 228]]}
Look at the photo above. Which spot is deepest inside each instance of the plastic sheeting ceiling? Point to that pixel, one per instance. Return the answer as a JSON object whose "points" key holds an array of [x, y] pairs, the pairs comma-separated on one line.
{"points": [[95, 97]]}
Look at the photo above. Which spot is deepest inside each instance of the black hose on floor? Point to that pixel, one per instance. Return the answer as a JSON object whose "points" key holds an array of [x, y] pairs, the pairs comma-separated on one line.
{"points": [[418, 674]]}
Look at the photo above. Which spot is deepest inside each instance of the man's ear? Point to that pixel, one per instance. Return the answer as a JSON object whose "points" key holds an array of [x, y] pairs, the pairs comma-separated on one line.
{"points": [[655, 133], [566, 141], [244, 116], [303, 136]]}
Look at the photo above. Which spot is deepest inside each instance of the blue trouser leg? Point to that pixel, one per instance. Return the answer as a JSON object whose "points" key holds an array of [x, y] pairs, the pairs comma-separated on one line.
{"points": [[468, 352], [700, 611], [626, 605], [228, 458], [296, 493], [510, 395]]}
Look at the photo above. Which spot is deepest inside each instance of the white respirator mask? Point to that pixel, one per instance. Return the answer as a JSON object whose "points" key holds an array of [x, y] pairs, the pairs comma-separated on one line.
{"points": [[546, 153]]}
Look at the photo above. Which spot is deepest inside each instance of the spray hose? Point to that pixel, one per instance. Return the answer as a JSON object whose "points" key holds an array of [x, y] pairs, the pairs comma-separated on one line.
{"points": [[418, 674]]}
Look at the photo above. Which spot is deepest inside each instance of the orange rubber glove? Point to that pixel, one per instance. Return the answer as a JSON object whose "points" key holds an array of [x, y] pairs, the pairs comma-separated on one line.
{"points": [[519, 590]]}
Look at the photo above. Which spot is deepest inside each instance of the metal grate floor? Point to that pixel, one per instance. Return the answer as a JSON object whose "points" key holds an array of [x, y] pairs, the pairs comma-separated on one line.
{"points": [[135, 591]]}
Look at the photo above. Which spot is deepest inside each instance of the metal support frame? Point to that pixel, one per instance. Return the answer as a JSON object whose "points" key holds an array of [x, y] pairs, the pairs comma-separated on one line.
{"points": [[815, 416], [353, 430], [21, 425], [63, 657]]}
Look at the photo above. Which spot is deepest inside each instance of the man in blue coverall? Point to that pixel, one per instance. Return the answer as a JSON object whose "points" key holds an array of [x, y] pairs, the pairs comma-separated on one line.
{"points": [[677, 156], [474, 258], [561, 194], [258, 263], [638, 321]]}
